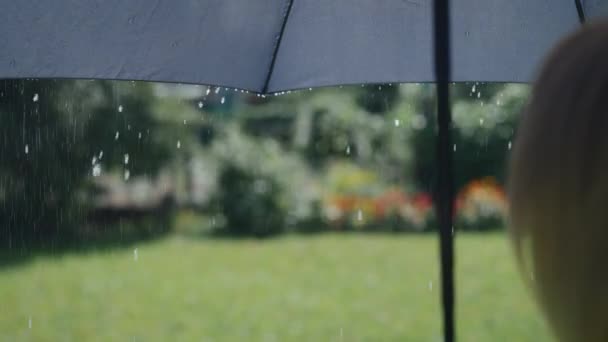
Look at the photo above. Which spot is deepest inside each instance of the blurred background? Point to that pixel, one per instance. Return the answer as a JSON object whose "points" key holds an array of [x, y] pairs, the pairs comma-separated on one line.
{"points": [[148, 211]]}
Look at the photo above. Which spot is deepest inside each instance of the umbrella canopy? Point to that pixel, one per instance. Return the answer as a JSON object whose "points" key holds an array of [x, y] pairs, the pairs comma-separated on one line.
{"points": [[274, 45]]}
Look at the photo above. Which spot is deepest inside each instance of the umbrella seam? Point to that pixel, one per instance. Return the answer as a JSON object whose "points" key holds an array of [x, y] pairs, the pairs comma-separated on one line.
{"points": [[277, 45]]}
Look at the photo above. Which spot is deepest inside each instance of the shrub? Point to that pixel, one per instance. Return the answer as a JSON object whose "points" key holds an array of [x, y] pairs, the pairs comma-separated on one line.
{"points": [[263, 189], [392, 210], [418, 214], [481, 206], [250, 203]]}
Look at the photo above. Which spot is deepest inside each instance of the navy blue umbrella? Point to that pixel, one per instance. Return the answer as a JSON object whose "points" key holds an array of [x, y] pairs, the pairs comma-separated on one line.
{"points": [[274, 45]]}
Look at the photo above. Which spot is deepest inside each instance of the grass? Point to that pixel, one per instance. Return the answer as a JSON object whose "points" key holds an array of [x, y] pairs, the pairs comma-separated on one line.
{"points": [[313, 288]]}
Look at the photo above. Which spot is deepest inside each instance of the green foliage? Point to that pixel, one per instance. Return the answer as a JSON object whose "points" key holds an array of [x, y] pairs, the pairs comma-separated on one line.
{"points": [[483, 128], [262, 188], [250, 203], [378, 98], [55, 135]]}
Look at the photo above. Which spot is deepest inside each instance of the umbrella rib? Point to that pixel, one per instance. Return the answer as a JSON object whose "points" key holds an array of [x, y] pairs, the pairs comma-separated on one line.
{"points": [[277, 46], [580, 10]]}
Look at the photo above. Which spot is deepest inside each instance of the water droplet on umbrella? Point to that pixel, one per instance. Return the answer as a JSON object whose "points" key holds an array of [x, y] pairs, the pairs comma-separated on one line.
{"points": [[35, 98], [96, 170], [120, 109], [126, 158], [127, 174], [27, 149]]}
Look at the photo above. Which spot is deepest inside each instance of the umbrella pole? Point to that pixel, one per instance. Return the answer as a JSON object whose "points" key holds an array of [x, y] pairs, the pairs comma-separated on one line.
{"points": [[444, 196]]}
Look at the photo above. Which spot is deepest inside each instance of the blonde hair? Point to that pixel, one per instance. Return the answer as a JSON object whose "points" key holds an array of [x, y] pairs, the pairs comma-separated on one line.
{"points": [[558, 187]]}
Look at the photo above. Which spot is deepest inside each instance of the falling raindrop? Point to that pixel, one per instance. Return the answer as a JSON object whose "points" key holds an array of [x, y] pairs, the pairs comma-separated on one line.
{"points": [[126, 158], [217, 90], [35, 98], [379, 87], [481, 122], [27, 149], [348, 150], [223, 100], [359, 215], [200, 104], [185, 122], [116, 135], [100, 155], [454, 147], [135, 255], [127, 174], [94, 160], [474, 88], [120, 108], [309, 89], [179, 144], [509, 145], [430, 285], [208, 91], [139, 135], [29, 323], [397, 122], [96, 170], [479, 95]]}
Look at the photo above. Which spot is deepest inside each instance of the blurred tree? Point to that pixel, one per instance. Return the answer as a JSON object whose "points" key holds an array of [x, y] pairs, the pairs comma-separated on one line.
{"points": [[483, 128], [56, 134]]}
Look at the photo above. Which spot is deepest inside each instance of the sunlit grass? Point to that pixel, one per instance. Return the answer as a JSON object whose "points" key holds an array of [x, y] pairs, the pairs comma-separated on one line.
{"points": [[316, 288]]}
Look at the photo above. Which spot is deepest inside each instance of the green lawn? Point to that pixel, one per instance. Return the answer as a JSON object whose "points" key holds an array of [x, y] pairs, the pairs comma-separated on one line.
{"points": [[317, 288]]}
